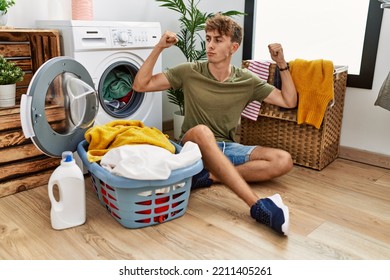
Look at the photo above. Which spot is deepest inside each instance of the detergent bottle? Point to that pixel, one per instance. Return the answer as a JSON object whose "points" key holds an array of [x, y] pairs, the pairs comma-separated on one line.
{"points": [[68, 208]]}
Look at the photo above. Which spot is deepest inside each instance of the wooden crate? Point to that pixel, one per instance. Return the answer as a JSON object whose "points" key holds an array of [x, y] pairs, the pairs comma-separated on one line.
{"points": [[29, 49], [22, 165]]}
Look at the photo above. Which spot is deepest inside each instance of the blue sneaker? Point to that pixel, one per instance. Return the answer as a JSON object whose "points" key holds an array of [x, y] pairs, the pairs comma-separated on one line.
{"points": [[201, 180], [272, 212]]}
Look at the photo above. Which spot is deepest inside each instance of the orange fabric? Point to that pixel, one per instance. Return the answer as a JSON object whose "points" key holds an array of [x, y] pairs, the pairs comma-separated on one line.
{"points": [[314, 83], [101, 138]]}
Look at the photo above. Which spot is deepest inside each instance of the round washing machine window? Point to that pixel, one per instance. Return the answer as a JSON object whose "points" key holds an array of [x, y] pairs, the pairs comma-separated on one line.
{"points": [[70, 96], [115, 90], [59, 106]]}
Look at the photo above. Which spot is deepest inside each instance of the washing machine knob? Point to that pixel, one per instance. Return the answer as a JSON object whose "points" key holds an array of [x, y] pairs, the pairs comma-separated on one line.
{"points": [[123, 37]]}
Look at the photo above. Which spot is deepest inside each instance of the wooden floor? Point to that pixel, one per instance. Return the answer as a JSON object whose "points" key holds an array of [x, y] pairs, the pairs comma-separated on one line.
{"points": [[342, 212]]}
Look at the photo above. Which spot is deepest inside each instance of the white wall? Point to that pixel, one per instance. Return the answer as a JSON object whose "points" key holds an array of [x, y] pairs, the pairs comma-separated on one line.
{"points": [[365, 126]]}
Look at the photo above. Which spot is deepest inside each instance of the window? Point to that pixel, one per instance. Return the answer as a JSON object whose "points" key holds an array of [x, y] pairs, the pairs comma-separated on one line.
{"points": [[344, 31]]}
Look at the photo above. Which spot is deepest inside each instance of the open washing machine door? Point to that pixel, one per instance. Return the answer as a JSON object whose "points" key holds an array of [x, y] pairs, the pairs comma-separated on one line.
{"points": [[59, 106]]}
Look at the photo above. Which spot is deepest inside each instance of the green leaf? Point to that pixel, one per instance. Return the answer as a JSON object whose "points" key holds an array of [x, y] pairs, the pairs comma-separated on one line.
{"points": [[10, 73]]}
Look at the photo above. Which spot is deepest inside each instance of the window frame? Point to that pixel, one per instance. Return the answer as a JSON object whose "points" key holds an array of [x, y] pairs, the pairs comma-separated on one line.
{"points": [[370, 44]]}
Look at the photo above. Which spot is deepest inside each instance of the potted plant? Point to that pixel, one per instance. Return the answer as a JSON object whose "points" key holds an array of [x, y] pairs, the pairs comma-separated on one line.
{"points": [[4, 5], [190, 42], [10, 74]]}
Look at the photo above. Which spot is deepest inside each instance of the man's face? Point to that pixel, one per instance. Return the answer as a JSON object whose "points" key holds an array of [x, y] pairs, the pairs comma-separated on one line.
{"points": [[219, 47]]}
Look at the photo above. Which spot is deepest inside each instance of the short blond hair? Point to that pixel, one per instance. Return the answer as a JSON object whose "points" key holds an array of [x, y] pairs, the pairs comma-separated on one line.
{"points": [[225, 26]]}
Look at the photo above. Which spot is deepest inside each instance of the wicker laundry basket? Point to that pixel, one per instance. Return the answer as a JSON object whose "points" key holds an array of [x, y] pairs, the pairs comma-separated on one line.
{"points": [[277, 127]]}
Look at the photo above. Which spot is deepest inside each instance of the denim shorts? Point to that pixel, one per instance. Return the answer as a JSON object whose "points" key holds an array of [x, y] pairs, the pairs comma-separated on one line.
{"points": [[236, 152]]}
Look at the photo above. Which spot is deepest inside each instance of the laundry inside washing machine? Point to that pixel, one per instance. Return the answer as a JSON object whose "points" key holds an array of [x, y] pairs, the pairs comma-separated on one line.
{"points": [[115, 89]]}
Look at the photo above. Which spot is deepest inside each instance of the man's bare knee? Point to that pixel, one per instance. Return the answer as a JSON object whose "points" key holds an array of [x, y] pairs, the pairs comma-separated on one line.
{"points": [[283, 161], [199, 134]]}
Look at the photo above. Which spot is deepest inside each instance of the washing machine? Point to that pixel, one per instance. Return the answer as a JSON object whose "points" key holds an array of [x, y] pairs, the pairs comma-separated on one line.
{"points": [[112, 52]]}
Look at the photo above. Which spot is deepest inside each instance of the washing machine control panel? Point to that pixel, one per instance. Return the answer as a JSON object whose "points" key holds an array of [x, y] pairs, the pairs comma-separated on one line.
{"points": [[133, 37]]}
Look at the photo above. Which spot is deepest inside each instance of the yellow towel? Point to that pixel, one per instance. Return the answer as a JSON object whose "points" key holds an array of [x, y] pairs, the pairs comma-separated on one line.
{"points": [[314, 83], [101, 138]]}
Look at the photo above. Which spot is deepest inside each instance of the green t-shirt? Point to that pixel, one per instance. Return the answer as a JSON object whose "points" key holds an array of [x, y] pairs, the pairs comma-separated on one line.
{"points": [[215, 104]]}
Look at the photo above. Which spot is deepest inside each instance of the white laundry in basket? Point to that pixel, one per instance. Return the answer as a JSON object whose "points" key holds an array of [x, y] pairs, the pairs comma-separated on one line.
{"points": [[148, 162]]}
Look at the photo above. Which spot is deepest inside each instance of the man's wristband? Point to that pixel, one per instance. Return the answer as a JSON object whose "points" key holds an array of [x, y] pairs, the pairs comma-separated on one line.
{"points": [[284, 69]]}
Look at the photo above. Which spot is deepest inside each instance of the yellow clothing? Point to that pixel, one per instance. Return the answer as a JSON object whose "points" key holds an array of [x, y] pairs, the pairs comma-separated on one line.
{"points": [[314, 83], [101, 138]]}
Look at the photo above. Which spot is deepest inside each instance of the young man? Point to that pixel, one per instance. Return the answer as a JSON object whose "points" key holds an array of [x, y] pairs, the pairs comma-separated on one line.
{"points": [[215, 95]]}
